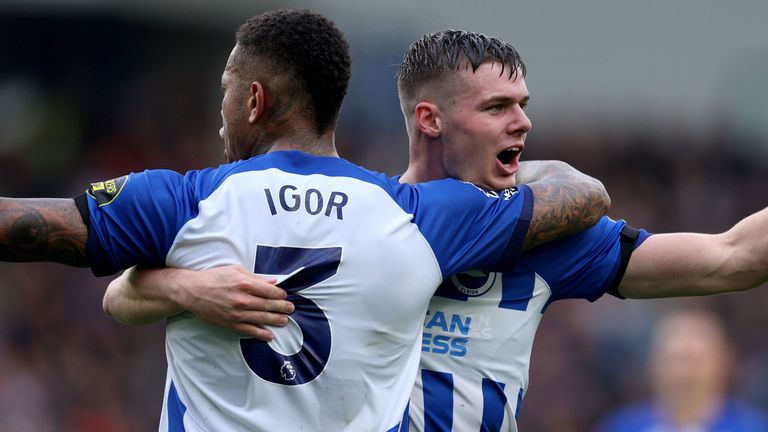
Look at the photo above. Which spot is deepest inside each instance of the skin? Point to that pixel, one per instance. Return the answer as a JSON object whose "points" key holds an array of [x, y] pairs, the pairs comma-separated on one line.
{"points": [[42, 229], [473, 116], [261, 112], [232, 296]]}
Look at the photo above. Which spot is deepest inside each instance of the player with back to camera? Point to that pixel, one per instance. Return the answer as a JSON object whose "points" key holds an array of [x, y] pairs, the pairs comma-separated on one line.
{"points": [[335, 235], [463, 95]]}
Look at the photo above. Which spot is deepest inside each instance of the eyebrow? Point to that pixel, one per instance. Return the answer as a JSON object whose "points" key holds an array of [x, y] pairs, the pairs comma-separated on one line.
{"points": [[506, 100]]}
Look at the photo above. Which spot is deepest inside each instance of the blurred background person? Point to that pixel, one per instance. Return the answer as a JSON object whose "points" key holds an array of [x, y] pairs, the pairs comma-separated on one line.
{"points": [[690, 367]]}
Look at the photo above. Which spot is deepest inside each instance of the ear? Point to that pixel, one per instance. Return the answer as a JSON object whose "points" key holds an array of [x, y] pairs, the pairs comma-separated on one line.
{"points": [[256, 102], [428, 121]]}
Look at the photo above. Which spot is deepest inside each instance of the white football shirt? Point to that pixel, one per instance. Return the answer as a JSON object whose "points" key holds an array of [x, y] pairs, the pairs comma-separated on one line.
{"points": [[360, 254]]}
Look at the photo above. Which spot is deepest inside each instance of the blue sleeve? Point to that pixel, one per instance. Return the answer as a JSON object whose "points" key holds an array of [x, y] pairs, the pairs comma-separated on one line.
{"points": [[470, 228], [134, 219], [580, 266]]}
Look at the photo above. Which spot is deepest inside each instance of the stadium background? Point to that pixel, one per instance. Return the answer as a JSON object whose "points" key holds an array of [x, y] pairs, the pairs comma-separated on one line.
{"points": [[666, 102]]}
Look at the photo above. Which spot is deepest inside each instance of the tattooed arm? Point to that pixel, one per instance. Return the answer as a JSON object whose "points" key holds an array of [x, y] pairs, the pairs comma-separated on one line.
{"points": [[566, 201], [42, 229]]}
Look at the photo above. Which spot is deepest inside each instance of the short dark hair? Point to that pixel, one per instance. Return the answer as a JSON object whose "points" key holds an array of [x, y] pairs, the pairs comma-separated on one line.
{"points": [[446, 51], [307, 46]]}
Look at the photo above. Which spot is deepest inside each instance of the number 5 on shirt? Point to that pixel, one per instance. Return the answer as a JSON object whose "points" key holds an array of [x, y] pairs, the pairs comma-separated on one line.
{"points": [[307, 267]]}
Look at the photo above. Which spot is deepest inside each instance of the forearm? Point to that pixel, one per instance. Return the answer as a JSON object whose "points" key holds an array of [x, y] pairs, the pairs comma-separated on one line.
{"points": [[229, 297], [689, 264], [42, 229], [142, 297], [566, 201]]}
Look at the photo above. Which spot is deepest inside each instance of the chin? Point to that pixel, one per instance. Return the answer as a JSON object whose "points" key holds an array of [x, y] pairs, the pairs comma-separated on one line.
{"points": [[501, 184]]}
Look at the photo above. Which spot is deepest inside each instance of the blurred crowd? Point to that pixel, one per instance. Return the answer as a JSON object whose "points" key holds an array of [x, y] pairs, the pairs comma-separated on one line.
{"points": [[84, 100]]}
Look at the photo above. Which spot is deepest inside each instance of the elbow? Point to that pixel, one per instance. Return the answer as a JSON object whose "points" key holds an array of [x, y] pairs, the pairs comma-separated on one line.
{"points": [[597, 204], [110, 305], [107, 303], [601, 198], [114, 305]]}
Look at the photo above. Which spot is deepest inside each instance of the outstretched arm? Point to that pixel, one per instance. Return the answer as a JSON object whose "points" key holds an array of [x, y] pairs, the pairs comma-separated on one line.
{"points": [[688, 264], [228, 296], [42, 229], [566, 201]]}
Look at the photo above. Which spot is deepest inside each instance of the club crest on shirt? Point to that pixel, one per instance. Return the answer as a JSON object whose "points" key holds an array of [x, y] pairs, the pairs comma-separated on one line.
{"points": [[106, 191], [474, 283], [506, 194], [287, 371], [509, 193]]}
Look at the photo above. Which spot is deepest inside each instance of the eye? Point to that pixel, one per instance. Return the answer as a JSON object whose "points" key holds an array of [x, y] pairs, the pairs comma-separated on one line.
{"points": [[495, 108]]}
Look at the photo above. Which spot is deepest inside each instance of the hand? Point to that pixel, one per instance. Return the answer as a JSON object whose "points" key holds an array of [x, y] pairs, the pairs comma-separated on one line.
{"points": [[234, 298]]}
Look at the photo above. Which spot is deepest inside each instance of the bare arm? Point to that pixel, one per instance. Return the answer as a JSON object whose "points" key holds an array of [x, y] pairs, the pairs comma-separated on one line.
{"points": [[42, 229], [228, 296], [688, 264], [132, 298], [566, 201]]}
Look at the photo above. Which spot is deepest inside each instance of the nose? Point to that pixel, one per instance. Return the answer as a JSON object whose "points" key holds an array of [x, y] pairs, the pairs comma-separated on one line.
{"points": [[520, 124]]}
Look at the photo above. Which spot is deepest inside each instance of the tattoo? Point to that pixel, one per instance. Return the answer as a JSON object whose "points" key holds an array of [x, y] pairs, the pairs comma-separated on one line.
{"points": [[42, 230], [280, 109], [30, 232], [262, 136], [564, 204]]}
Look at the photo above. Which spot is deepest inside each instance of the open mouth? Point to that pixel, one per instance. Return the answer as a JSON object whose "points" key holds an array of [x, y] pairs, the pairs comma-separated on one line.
{"points": [[507, 156]]}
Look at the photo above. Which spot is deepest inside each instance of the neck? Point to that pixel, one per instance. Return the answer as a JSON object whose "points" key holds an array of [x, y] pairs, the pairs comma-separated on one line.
{"points": [[306, 140], [426, 161]]}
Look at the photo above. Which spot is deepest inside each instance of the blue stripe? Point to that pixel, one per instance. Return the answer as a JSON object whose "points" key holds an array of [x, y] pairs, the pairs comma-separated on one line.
{"points": [[438, 400], [403, 425], [176, 410], [511, 256], [517, 289], [519, 402], [494, 401]]}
